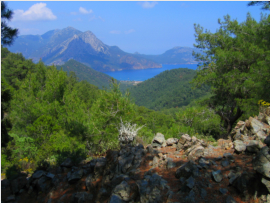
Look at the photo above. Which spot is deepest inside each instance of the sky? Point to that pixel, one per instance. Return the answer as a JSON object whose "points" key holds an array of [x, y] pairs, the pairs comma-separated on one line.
{"points": [[151, 27]]}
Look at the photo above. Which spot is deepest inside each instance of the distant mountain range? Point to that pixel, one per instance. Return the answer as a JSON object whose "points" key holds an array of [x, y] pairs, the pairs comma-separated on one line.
{"points": [[59, 46], [176, 55]]}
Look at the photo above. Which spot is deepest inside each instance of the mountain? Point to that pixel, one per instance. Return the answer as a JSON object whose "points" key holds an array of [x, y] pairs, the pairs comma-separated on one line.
{"points": [[92, 76], [176, 55], [169, 89], [58, 46]]}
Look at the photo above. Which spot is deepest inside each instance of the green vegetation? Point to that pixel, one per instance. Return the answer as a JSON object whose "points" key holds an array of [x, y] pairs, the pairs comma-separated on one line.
{"points": [[235, 64], [7, 33], [48, 115], [90, 75], [169, 89]]}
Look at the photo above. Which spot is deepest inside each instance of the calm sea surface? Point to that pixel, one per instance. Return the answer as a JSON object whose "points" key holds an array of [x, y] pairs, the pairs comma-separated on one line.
{"points": [[144, 74]]}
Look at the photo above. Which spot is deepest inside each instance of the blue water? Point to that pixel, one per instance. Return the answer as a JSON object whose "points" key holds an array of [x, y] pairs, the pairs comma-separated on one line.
{"points": [[144, 74]]}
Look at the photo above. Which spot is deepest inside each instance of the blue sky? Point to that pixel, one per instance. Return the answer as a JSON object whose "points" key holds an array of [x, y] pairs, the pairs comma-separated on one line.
{"points": [[144, 27]]}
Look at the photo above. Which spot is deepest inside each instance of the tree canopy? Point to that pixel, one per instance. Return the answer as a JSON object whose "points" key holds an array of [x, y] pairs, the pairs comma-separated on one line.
{"points": [[235, 63], [7, 33]]}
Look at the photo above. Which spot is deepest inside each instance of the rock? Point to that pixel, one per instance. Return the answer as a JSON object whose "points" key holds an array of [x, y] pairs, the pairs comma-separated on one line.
{"points": [[261, 163], [67, 163], [170, 163], [184, 138], [267, 119], [156, 145], [5, 183], [203, 162], [80, 197], [185, 170], [228, 156], [155, 161], [43, 184], [223, 191], [267, 141], [239, 146], [125, 162], [149, 149], [89, 183], [17, 184], [123, 191], [190, 182], [196, 152], [38, 174], [266, 182], [10, 198], [75, 176], [217, 176], [260, 134], [232, 177], [159, 138], [171, 141], [253, 146], [241, 183], [225, 163], [116, 199], [203, 193], [230, 199], [99, 167]]}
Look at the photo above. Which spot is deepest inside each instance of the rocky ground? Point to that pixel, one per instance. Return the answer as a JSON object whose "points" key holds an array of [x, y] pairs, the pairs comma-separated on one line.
{"points": [[174, 170]]}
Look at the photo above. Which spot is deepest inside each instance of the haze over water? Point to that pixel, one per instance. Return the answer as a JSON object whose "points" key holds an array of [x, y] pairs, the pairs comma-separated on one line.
{"points": [[144, 74]]}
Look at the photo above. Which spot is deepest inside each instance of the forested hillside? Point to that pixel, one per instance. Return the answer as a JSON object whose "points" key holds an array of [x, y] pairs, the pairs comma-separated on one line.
{"points": [[48, 115], [83, 72], [169, 89]]}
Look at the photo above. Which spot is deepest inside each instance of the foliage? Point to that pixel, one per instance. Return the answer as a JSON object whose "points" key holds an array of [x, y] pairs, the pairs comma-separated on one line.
{"points": [[169, 89], [7, 33], [265, 4], [106, 113], [235, 64]]}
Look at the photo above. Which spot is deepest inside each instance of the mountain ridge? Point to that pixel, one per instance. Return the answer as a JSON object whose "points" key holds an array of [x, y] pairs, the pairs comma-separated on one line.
{"points": [[58, 46]]}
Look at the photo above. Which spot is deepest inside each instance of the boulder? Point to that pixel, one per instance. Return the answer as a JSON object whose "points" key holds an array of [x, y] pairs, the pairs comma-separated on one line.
{"points": [[261, 163], [185, 170], [67, 163], [75, 176], [79, 197], [239, 146], [159, 138], [267, 141], [171, 141], [184, 138], [217, 176], [123, 191], [196, 152], [253, 146]]}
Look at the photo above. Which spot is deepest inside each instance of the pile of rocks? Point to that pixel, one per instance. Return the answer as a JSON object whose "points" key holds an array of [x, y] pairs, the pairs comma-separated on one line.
{"points": [[248, 136], [261, 164], [192, 146]]}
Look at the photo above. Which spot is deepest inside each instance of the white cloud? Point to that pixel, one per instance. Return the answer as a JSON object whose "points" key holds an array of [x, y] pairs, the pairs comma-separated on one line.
{"points": [[148, 4], [84, 11], [38, 11], [129, 31], [115, 32]]}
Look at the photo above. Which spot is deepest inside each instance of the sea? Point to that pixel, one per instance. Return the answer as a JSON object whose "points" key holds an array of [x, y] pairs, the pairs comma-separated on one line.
{"points": [[144, 74]]}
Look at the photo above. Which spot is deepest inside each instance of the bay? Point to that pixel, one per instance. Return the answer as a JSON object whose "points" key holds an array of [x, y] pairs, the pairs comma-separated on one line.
{"points": [[144, 74]]}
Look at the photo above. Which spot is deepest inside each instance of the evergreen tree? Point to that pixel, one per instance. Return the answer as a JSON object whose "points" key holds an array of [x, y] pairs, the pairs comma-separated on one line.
{"points": [[235, 64], [7, 33]]}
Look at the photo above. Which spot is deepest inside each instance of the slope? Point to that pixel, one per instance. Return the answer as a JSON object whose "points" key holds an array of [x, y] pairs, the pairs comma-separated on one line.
{"points": [[87, 73], [169, 89]]}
